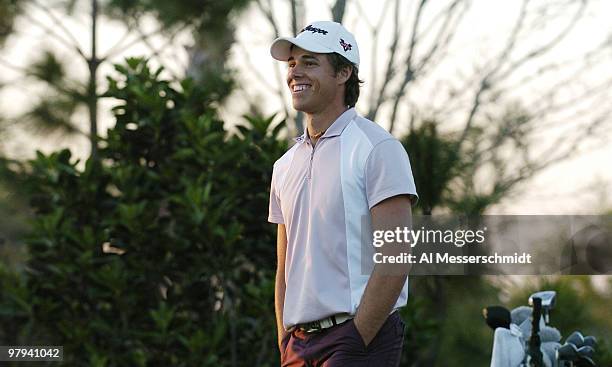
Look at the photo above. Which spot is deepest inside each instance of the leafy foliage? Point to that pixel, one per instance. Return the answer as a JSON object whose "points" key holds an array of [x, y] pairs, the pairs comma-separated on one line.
{"points": [[9, 10], [205, 14], [159, 251], [434, 161]]}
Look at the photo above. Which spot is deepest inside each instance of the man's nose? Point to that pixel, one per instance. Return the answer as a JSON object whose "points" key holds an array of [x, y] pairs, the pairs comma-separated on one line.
{"points": [[295, 72]]}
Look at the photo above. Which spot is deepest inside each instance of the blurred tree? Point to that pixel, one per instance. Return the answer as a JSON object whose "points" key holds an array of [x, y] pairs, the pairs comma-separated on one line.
{"points": [[154, 254], [9, 10], [210, 24], [435, 163], [57, 108], [495, 103]]}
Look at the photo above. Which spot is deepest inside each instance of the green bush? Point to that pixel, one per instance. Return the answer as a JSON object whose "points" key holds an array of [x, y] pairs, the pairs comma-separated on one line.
{"points": [[159, 253]]}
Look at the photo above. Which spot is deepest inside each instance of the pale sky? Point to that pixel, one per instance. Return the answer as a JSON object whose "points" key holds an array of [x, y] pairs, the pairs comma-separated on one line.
{"points": [[580, 185]]}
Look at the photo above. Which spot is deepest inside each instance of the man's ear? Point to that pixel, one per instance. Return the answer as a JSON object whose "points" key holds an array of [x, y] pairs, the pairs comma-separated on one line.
{"points": [[344, 74]]}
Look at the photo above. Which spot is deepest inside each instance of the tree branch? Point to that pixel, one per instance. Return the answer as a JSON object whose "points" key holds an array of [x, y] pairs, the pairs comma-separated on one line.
{"points": [[255, 71], [374, 30], [59, 23], [443, 37], [548, 46], [57, 37], [9, 65], [270, 17], [115, 50], [439, 42], [128, 32], [389, 70], [296, 15], [338, 10], [409, 73], [156, 52], [485, 82], [442, 41], [267, 12]]}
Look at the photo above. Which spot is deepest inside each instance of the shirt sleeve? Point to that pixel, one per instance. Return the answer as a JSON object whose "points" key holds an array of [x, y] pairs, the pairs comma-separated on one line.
{"points": [[275, 215], [388, 173]]}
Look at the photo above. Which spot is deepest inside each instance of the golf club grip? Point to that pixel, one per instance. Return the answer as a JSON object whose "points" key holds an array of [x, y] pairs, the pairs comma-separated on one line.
{"points": [[534, 342]]}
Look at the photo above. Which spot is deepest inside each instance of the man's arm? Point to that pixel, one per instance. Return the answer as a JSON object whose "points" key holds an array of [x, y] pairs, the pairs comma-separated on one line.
{"points": [[279, 288], [383, 288]]}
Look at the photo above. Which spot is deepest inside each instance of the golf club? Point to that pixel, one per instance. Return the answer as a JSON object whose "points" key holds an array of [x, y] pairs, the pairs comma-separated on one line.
{"points": [[550, 334], [548, 302], [591, 341], [585, 362], [567, 352], [569, 355], [575, 338], [586, 351], [549, 349], [534, 352], [520, 314], [522, 337]]}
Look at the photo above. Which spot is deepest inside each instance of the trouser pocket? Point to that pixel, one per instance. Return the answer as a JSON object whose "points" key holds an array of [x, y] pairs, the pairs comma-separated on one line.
{"points": [[357, 338]]}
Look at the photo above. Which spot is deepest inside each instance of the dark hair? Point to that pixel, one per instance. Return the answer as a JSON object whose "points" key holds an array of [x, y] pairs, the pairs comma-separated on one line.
{"points": [[351, 92]]}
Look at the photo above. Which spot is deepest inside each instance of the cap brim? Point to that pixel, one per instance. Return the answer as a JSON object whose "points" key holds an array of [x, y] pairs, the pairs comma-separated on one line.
{"points": [[281, 47]]}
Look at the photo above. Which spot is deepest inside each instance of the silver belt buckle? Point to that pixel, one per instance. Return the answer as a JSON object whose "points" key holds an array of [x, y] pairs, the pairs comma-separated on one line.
{"points": [[325, 323], [315, 326]]}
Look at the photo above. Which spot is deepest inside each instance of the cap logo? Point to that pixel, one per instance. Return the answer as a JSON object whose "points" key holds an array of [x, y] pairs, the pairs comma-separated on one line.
{"points": [[312, 29], [345, 46]]}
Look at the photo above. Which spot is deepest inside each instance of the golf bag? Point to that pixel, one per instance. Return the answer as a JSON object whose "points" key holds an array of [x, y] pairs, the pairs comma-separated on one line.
{"points": [[523, 338]]}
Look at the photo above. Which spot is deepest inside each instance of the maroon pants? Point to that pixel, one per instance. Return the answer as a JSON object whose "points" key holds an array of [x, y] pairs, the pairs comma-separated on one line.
{"points": [[342, 345]]}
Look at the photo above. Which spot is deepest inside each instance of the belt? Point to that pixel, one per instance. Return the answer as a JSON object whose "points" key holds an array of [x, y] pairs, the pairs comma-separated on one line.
{"points": [[325, 323]]}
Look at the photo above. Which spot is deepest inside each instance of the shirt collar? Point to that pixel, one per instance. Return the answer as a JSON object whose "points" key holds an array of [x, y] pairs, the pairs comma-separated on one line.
{"points": [[334, 129]]}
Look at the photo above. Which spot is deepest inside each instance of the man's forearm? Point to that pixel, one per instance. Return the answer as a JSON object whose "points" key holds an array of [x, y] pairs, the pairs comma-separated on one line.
{"points": [[387, 280], [279, 302], [381, 294], [279, 285]]}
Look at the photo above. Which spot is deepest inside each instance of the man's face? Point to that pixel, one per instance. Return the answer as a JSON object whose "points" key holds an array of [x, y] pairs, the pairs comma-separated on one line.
{"points": [[312, 81]]}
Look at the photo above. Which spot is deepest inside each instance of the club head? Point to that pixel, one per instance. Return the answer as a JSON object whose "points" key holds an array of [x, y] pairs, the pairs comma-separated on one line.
{"points": [[548, 299], [575, 338], [550, 334], [547, 360], [497, 316], [526, 326], [549, 349], [548, 302], [520, 314], [586, 351], [567, 352], [591, 341], [585, 362]]}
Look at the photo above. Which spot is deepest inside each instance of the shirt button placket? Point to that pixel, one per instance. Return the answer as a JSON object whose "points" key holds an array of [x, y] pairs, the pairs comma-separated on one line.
{"points": [[310, 162]]}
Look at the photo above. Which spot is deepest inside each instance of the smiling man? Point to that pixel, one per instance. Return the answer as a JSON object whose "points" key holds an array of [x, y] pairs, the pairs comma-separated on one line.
{"points": [[345, 177]]}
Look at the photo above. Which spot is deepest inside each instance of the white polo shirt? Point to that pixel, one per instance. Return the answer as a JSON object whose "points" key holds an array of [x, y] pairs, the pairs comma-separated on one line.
{"points": [[322, 195]]}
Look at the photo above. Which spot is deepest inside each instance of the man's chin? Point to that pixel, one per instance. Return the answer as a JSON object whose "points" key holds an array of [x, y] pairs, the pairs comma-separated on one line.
{"points": [[299, 107]]}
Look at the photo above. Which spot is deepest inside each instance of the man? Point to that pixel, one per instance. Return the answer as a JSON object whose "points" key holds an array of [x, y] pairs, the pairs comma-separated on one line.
{"points": [[344, 177]]}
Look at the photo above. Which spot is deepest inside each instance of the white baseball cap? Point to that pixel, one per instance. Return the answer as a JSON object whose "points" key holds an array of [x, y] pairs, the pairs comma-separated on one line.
{"points": [[321, 37]]}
